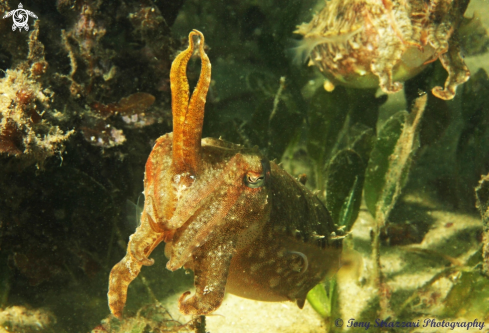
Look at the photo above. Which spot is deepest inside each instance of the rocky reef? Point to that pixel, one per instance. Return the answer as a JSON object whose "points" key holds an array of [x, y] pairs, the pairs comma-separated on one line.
{"points": [[106, 62]]}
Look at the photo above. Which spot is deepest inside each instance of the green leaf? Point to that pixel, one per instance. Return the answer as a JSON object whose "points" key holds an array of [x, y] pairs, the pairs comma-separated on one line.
{"points": [[400, 162], [351, 206], [473, 289], [333, 296], [345, 177], [343, 197], [378, 164], [319, 300], [363, 141]]}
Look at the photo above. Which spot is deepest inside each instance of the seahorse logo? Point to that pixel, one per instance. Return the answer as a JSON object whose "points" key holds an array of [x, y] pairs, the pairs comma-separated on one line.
{"points": [[20, 17]]}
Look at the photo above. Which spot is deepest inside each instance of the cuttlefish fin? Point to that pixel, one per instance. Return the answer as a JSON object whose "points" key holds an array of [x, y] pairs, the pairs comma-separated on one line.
{"points": [[301, 302]]}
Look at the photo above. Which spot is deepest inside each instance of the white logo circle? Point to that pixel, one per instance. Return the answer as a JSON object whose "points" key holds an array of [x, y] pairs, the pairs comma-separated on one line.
{"points": [[20, 17]]}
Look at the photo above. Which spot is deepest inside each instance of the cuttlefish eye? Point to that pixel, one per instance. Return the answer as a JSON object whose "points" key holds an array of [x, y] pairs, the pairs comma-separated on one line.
{"points": [[254, 180]]}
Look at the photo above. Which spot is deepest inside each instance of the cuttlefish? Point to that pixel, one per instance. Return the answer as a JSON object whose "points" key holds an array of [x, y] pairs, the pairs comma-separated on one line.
{"points": [[369, 44], [240, 222]]}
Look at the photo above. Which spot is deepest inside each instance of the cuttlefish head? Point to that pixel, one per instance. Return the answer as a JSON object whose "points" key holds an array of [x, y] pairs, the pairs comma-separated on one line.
{"points": [[229, 200]]}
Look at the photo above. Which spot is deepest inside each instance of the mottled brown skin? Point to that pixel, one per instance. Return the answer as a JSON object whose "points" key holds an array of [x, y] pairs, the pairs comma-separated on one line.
{"points": [[240, 222], [370, 43]]}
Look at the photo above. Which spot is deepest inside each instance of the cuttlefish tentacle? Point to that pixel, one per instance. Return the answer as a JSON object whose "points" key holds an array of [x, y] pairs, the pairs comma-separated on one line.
{"points": [[188, 116], [458, 73], [224, 196], [194, 120], [205, 195], [144, 240], [140, 246], [210, 284], [179, 102]]}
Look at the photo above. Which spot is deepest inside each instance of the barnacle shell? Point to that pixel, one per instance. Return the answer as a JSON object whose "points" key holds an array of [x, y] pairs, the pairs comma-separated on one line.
{"points": [[370, 43]]}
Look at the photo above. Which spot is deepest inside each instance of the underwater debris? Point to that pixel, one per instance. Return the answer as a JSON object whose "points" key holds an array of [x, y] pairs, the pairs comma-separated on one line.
{"points": [[97, 69], [151, 27], [98, 129], [366, 44], [95, 59], [134, 104], [150, 318], [24, 129], [82, 42], [394, 234], [482, 194], [103, 135], [21, 319]]}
